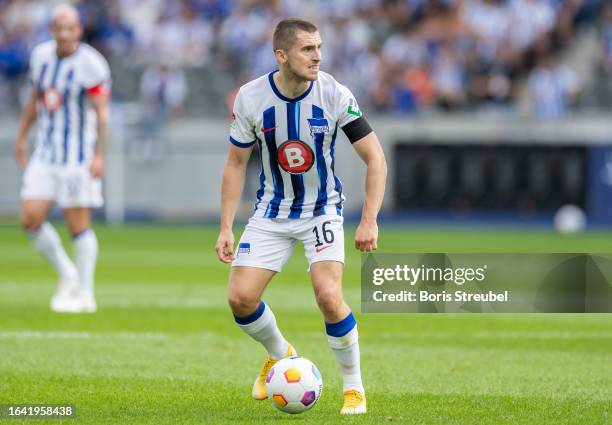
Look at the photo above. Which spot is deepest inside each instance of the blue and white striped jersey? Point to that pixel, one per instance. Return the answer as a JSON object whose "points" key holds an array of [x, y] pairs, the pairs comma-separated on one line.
{"points": [[296, 139], [66, 122]]}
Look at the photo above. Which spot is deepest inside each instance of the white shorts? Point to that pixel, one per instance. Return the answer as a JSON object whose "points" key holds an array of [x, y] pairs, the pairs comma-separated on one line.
{"points": [[268, 243], [69, 187]]}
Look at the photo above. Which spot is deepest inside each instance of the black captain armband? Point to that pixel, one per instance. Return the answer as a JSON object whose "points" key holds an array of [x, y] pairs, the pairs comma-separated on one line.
{"points": [[357, 129]]}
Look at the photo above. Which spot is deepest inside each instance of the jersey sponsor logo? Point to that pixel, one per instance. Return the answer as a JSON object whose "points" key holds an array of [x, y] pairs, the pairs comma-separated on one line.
{"points": [[321, 248], [244, 248], [52, 99], [295, 156], [353, 109], [318, 126]]}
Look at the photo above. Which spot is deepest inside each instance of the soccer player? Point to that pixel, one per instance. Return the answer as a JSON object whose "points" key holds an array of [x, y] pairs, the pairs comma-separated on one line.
{"points": [[294, 114], [69, 97]]}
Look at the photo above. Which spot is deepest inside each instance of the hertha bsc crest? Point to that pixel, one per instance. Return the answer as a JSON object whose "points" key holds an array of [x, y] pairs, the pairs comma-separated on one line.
{"points": [[318, 126]]}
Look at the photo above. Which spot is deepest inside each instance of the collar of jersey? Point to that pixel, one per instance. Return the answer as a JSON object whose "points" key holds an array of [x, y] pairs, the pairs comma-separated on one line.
{"points": [[66, 57], [280, 95]]}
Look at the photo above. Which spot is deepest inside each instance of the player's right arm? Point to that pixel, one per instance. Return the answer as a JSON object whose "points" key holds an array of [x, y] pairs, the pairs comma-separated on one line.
{"points": [[234, 175], [242, 139], [28, 118]]}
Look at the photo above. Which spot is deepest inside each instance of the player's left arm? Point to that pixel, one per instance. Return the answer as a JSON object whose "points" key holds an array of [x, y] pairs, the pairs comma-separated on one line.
{"points": [[370, 151], [99, 100], [97, 84], [366, 143]]}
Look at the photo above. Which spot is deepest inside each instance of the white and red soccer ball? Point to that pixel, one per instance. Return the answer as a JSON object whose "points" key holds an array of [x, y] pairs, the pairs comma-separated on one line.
{"points": [[294, 385]]}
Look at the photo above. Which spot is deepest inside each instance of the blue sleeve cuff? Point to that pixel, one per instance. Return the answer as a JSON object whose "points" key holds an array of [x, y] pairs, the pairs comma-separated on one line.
{"points": [[240, 144]]}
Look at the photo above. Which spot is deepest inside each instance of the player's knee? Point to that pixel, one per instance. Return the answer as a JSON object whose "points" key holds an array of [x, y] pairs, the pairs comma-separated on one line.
{"points": [[76, 230], [77, 223], [241, 303], [330, 301], [30, 221]]}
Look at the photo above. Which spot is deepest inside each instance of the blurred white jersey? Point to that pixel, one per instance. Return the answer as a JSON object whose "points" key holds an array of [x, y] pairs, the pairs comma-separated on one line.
{"points": [[66, 122], [296, 139]]}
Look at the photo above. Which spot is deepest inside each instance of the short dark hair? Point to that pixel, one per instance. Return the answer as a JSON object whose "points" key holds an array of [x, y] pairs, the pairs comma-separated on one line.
{"points": [[284, 33]]}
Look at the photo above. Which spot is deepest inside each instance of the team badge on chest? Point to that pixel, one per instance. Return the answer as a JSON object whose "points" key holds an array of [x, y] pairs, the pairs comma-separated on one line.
{"points": [[52, 99], [295, 156], [318, 126]]}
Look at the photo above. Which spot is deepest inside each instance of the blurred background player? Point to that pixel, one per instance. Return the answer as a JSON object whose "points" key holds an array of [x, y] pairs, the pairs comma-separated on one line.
{"points": [[294, 114], [69, 98]]}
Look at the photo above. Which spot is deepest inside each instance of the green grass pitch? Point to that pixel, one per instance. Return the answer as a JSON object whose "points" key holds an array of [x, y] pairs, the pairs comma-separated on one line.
{"points": [[163, 347]]}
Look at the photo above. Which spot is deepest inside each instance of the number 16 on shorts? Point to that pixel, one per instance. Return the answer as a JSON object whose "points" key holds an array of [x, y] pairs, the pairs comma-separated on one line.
{"points": [[326, 241]]}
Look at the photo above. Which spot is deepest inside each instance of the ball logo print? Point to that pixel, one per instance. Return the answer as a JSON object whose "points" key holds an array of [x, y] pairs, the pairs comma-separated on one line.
{"points": [[295, 156], [294, 385]]}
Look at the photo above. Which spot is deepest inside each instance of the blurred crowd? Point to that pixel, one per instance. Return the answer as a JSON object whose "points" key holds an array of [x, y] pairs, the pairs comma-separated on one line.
{"points": [[398, 56]]}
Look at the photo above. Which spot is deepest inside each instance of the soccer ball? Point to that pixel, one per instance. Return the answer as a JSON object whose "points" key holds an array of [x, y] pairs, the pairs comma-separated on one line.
{"points": [[570, 219], [294, 385]]}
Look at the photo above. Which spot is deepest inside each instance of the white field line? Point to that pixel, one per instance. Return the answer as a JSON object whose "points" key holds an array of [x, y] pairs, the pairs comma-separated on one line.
{"points": [[187, 304], [545, 335], [32, 334], [168, 303], [153, 296], [498, 335], [104, 302], [193, 303], [35, 334]]}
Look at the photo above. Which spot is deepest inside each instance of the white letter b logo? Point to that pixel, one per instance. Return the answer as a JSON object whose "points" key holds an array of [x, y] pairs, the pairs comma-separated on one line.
{"points": [[294, 157]]}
